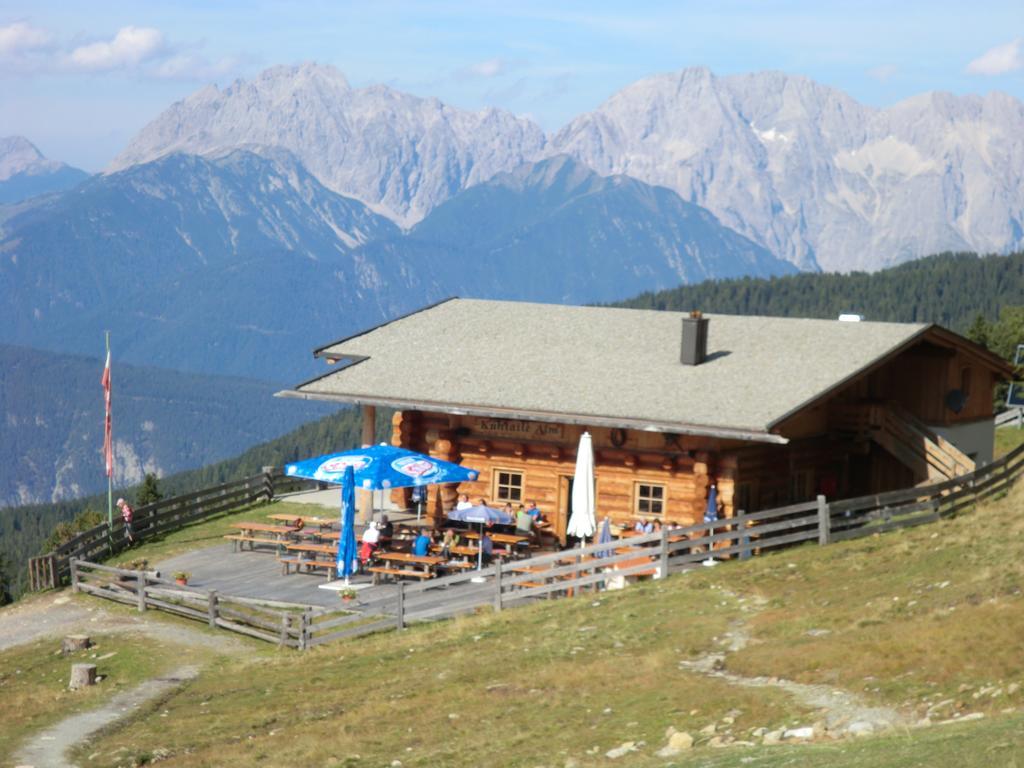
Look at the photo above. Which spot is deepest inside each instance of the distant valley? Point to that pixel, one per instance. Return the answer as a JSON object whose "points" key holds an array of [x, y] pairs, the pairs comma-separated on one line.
{"points": [[51, 422]]}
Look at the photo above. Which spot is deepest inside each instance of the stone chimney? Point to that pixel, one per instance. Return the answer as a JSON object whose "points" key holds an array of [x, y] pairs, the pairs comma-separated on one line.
{"points": [[695, 339]]}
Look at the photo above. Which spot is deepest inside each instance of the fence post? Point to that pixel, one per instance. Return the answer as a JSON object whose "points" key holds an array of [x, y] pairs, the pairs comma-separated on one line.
{"points": [[211, 608], [140, 582], [74, 575], [745, 550], [400, 606], [497, 585], [824, 522], [286, 625], [664, 553], [304, 631], [268, 483]]}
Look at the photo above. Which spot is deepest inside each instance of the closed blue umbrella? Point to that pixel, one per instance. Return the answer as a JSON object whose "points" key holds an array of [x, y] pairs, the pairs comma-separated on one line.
{"points": [[604, 537], [711, 516], [347, 553]]}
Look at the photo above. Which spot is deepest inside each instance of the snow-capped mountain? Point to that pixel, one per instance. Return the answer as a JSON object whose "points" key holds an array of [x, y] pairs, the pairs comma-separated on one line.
{"points": [[400, 154], [813, 175], [25, 172]]}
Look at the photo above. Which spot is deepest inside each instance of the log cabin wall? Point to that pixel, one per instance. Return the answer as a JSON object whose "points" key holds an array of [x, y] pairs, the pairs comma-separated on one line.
{"points": [[543, 456]]}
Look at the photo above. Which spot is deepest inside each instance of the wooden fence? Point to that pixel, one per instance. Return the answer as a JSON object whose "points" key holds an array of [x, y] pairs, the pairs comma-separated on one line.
{"points": [[54, 568], [1011, 418], [564, 573]]}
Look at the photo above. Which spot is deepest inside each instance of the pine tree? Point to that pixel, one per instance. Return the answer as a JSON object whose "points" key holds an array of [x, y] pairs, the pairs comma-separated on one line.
{"points": [[149, 492]]}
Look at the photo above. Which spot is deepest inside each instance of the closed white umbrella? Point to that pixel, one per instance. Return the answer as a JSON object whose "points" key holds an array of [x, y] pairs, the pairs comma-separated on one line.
{"points": [[582, 522]]}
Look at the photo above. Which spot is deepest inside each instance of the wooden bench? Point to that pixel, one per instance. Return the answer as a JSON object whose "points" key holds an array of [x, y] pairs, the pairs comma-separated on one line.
{"points": [[298, 562], [381, 570], [235, 538], [457, 564]]}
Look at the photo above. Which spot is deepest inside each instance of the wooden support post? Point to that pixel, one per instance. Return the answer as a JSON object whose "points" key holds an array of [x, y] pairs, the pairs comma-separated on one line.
{"points": [[664, 553], [74, 575], [286, 625], [304, 631], [369, 430], [268, 483], [140, 582], [824, 522], [497, 586], [400, 606], [211, 608]]}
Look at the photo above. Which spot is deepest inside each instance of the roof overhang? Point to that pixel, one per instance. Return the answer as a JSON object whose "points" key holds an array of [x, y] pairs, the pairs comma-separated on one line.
{"points": [[582, 419]]}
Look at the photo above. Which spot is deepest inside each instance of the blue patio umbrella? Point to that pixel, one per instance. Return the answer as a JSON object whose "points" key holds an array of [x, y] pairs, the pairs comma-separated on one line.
{"points": [[711, 516], [484, 515], [380, 467], [347, 553]]}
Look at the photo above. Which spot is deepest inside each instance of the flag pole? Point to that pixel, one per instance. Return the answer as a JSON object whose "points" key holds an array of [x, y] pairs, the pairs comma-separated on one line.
{"points": [[109, 457]]}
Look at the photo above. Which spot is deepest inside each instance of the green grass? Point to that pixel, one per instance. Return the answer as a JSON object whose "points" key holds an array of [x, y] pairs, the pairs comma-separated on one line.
{"points": [[1007, 439], [911, 618], [34, 681]]}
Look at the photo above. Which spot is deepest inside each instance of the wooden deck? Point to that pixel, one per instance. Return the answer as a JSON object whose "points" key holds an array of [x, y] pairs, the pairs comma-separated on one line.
{"points": [[258, 575]]}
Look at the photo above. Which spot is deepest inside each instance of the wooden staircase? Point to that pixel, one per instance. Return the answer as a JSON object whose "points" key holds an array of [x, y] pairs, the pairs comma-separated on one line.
{"points": [[911, 441]]}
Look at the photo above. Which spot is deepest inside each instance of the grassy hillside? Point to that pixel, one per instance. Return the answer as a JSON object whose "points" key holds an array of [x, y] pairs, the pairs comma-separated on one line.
{"points": [[949, 289], [24, 529], [925, 622]]}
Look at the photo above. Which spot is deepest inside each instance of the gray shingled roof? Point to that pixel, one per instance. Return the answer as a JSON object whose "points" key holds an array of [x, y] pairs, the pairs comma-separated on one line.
{"points": [[603, 365]]}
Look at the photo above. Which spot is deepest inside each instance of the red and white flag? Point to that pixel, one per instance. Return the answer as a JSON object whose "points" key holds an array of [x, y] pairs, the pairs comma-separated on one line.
{"points": [[108, 444]]}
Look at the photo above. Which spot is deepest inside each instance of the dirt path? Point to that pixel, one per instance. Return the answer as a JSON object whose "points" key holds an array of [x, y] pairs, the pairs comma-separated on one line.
{"points": [[59, 615], [842, 712], [48, 749], [54, 616]]}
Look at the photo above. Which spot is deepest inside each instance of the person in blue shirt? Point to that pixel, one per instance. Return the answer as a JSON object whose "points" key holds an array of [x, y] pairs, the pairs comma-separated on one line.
{"points": [[421, 547], [534, 512], [486, 547]]}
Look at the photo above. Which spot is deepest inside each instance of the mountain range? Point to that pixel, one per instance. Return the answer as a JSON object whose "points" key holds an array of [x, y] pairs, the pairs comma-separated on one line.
{"points": [[239, 263], [51, 422], [800, 168], [25, 173]]}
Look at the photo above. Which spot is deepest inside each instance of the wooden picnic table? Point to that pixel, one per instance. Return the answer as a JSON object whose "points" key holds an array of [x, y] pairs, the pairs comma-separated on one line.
{"points": [[320, 549], [399, 564], [497, 538], [280, 530], [456, 549], [250, 534], [291, 519]]}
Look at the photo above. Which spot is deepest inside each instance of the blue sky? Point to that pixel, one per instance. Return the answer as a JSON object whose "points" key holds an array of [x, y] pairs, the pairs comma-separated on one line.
{"points": [[80, 78]]}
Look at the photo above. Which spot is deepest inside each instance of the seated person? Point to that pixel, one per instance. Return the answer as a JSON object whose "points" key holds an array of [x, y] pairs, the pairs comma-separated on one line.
{"points": [[524, 522], [463, 502], [533, 512], [421, 546], [387, 531], [451, 539], [371, 537], [486, 547]]}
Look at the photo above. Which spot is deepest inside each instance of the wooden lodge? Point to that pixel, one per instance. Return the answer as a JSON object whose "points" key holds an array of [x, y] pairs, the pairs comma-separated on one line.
{"points": [[771, 410]]}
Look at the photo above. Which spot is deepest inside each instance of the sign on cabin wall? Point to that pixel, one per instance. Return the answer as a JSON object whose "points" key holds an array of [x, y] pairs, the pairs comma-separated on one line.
{"points": [[512, 429]]}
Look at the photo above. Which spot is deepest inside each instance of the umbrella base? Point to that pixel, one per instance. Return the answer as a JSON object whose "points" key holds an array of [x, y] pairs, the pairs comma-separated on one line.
{"points": [[710, 562], [339, 585]]}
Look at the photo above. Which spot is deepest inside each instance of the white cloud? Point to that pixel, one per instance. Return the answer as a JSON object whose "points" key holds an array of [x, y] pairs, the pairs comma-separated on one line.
{"points": [[999, 60], [21, 36], [486, 69], [130, 47], [882, 73], [193, 66]]}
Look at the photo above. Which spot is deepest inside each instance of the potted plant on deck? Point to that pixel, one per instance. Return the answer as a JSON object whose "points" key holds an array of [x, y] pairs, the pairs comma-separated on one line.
{"points": [[182, 577], [347, 595]]}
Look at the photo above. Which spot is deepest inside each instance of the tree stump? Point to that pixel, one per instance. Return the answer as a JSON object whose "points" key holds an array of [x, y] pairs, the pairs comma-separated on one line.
{"points": [[82, 675], [74, 643]]}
